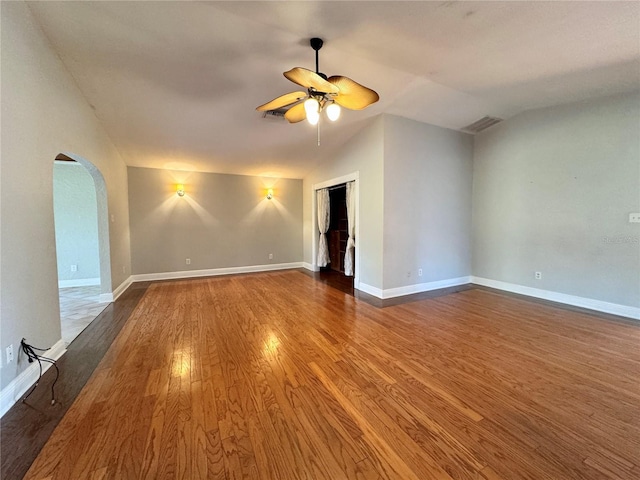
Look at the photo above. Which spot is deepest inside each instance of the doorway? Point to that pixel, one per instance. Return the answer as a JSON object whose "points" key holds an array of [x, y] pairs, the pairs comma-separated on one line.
{"points": [[79, 219], [337, 236], [337, 233]]}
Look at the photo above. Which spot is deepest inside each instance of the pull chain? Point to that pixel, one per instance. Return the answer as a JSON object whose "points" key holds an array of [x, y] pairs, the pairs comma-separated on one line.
{"points": [[318, 132]]}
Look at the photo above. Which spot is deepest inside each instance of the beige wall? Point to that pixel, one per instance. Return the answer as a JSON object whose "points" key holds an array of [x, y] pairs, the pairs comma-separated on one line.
{"points": [[427, 203], [362, 154], [76, 222], [552, 192], [415, 202], [43, 114], [222, 221]]}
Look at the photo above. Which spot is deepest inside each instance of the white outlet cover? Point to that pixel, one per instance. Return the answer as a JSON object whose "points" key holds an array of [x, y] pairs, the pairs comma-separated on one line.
{"points": [[634, 218]]}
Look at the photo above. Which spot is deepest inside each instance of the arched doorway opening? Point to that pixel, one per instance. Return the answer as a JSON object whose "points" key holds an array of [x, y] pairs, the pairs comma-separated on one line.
{"points": [[82, 242]]}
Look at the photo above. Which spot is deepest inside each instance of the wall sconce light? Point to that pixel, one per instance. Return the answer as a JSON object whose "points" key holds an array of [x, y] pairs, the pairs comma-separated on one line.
{"points": [[180, 190], [269, 194]]}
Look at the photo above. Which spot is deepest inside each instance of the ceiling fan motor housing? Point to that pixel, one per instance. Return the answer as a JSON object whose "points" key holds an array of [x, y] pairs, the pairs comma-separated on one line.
{"points": [[316, 43]]}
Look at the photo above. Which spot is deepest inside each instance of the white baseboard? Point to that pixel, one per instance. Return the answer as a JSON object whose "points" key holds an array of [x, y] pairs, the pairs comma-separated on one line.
{"points": [[375, 291], [78, 282], [412, 289], [146, 277], [424, 287], [113, 296], [588, 303], [310, 266], [19, 385], [120, 289], [105, 298]]}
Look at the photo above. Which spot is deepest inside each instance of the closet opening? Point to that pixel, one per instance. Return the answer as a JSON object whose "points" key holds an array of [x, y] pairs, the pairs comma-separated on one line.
{"points": [[337, 236]]}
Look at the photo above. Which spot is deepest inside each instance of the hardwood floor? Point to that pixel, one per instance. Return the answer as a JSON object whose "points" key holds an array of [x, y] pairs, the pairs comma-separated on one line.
{"points": [[26, 427], [333, 279], [276, 376]]}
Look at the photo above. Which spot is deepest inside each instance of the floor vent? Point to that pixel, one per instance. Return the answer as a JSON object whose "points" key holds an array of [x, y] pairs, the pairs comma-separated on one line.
{"points": [[482, 124]]}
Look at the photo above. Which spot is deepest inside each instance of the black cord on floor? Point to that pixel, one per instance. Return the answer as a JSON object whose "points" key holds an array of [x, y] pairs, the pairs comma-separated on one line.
{"points": [[30, 352]]}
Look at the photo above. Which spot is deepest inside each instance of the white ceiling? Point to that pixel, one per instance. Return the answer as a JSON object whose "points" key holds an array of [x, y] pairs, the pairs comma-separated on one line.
{"points": [[175, 84]]}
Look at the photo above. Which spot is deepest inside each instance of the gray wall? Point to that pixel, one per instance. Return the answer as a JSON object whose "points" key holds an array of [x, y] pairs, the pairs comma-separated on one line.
{"points": [[427, 202], [415, 201], [552, 190], [222, 221], [76, 222], [48, 115], [363, 154]]}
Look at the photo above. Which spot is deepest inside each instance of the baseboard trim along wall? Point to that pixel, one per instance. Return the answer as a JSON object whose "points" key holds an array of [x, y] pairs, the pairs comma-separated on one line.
{"points": [[19, 385], [310, 267], [371, 290], [146, 277], [78, 282], [588, 303], [121, 288], [106, 297], [411, 289]]}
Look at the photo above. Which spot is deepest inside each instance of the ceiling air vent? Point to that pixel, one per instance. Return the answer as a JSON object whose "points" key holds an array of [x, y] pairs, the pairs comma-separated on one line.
{"points": [[482, 124], [61, 157], [274, 114]]}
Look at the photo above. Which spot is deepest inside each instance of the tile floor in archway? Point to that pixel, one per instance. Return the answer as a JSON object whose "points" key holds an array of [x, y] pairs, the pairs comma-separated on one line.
{"points": [[79, 306]]}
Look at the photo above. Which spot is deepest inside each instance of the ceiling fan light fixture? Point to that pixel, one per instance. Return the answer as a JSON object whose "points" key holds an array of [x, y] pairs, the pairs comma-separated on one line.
{"points": [[311, 105], [312, 109], [322, 93], [333, 112], [313, 118]]}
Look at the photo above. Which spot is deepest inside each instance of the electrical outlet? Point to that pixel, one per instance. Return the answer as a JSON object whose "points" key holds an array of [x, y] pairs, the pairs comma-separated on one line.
{"points": [[634, 218], [124, 269], [271, 256], [409, 274], [188, 261], [538, 275], [74, 268], [419, 272], [9, 354]]}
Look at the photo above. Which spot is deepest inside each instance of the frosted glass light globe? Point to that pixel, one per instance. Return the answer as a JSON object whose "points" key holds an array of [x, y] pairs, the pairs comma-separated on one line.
{"points": [[333, 112]]}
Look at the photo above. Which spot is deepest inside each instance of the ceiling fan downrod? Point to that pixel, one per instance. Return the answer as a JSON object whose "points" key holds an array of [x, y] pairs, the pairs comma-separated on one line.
{"points": [[316, 44]]}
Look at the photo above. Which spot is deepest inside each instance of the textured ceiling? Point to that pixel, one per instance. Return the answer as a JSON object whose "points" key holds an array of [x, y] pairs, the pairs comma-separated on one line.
{"points": [[175, 84]]}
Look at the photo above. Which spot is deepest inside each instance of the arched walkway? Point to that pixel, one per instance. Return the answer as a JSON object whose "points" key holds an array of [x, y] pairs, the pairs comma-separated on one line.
{"points": [[82, 242]]}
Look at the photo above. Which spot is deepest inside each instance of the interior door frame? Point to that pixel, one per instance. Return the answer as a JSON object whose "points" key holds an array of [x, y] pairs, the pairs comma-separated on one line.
{"points": [[315, 237]]}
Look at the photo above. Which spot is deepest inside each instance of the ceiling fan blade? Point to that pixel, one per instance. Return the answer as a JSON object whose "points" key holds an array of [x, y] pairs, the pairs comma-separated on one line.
{"points": [[282, 101], [310, 79], [296, 113], [352, 95]]}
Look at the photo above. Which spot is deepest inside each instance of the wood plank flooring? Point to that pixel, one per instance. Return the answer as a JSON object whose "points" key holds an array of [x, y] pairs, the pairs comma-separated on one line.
{"points": [[275, 376], [26, 427]]}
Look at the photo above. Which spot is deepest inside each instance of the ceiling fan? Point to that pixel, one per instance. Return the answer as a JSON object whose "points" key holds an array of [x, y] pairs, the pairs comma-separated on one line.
{"points": [[323, 94]]}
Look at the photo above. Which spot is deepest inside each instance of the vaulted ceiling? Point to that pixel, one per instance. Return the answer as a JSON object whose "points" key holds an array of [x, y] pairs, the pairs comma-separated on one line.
{"points": [[175, 84]]}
